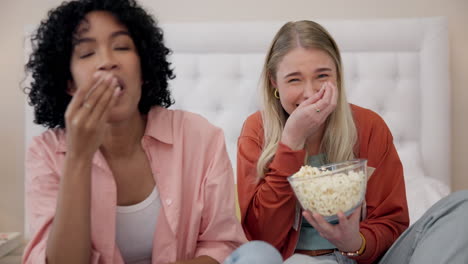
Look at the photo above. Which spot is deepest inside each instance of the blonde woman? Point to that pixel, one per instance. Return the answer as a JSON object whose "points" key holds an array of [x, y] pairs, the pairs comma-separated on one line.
{"points": [[306, 117]]}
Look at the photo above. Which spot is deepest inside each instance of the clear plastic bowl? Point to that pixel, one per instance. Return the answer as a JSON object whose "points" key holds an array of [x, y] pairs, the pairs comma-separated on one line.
{"points": [[334, 187]]}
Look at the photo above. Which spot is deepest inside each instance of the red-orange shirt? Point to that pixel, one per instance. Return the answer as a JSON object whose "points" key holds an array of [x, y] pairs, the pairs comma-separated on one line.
{"points": [[268, 207]]}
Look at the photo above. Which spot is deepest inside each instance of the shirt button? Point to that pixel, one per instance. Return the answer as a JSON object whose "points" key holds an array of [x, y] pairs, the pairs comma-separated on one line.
{"points": [[168, 201]]}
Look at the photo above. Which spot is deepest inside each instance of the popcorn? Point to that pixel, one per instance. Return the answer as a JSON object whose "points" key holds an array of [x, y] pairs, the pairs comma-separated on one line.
{"points": [[325, 192]]}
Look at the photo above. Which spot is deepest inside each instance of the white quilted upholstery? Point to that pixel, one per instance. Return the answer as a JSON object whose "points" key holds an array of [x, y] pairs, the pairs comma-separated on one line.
{"points": [[398, 68]]}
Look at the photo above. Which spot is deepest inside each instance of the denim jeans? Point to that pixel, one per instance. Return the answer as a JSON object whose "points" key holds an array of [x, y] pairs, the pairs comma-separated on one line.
{"points": [[255, 252], [259, 252], [439, 236], [332, 258]]}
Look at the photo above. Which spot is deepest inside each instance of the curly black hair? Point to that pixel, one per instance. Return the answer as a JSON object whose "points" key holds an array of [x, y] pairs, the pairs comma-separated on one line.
{"points": [[49, 62]]}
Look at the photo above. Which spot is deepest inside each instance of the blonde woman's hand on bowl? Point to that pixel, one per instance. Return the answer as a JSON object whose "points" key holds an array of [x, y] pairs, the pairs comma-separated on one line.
{"points": [[344, 235], [309, 116]]}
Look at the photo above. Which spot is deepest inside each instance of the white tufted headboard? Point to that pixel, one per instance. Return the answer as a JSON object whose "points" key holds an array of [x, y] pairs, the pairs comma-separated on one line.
{"points": [[398, 68]]}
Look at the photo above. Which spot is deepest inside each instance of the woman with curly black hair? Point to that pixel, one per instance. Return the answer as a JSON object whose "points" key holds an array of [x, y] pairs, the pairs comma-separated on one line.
{"points": [[118, 177]]}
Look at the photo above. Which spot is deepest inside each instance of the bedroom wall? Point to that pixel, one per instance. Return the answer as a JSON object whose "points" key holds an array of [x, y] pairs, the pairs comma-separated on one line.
{"points": [[15, 15]]}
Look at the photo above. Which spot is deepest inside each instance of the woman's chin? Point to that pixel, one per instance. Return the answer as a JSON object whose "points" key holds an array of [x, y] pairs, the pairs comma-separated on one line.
{"points": [[120, 114]]}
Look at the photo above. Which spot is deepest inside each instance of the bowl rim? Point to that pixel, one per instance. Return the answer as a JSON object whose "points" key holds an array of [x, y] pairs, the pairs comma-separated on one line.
{"points": [[353, 164]]}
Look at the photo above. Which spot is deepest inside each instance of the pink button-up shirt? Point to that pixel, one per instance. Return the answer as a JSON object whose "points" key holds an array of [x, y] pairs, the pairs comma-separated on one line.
{"points": [[193, 175]]}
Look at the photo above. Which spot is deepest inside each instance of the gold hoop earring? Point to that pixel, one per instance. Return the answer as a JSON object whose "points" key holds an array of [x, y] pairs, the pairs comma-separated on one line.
{"points": [[276, 94]]}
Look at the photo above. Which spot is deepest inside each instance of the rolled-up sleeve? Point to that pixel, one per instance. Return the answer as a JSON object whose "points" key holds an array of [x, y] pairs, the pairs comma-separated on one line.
{"points": [[42, 186], [268, 206], [220, 231]]}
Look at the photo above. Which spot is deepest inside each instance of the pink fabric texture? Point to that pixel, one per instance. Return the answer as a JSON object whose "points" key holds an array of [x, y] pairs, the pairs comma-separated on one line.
{"points": [[194, 178]]}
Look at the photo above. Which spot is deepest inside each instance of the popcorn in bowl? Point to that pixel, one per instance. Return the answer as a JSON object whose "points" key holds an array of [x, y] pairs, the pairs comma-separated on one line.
{"points": [[331, 188]]}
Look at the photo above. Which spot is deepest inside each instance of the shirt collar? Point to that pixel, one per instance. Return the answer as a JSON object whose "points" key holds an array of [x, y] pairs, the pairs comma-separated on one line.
{"points": [[159, 124]]}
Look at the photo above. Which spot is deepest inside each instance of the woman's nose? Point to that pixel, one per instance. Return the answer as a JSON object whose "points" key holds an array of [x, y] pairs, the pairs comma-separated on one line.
{"points": [[107, 61], [309, 90]]}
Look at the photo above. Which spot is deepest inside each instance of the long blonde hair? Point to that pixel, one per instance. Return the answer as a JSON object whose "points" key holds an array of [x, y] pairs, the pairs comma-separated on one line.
{"points": [[340, 134]]}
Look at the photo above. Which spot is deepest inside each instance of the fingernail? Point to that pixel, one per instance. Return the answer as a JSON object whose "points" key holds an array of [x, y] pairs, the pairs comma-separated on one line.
{"points": [[117, 90]]}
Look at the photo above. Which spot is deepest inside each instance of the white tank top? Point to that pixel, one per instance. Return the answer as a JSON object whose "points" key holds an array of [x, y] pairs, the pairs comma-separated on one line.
{"points": [[135, 226]]}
